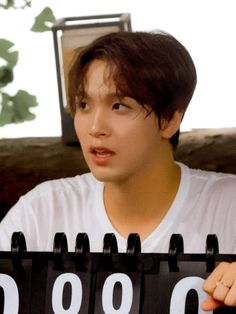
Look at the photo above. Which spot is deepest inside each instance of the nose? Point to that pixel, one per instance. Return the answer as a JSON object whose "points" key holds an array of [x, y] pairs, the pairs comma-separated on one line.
{"points": [[99, 125]]}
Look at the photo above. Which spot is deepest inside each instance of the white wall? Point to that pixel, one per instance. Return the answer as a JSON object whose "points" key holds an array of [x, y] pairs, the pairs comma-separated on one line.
{"points": [[205, 27]]}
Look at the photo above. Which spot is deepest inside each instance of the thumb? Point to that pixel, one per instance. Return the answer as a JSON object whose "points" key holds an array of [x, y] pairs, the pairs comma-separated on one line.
{"points": [[210, 304]]}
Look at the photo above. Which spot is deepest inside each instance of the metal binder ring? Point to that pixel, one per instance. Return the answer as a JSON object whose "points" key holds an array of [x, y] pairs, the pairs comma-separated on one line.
{"points": [[18, 245], [82, 244], [82, 247], [109, 247], [133, 250], [133, 244], [176, 246], [212, 248], [60, 246], [109, 244]]}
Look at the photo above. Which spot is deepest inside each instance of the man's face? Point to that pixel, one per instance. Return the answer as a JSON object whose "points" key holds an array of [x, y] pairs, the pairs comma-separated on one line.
{"points": [[118, 138]]}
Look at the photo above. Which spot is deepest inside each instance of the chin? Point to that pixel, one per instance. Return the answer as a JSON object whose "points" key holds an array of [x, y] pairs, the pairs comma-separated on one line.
{"points": [[105, 175], [103, 178]]}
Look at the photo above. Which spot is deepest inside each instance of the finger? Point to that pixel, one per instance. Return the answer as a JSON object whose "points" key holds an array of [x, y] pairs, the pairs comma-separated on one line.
{"points": [[225, 290], [230, 299], [210, 304], [217, 274], [221, 284], [221, 290]]}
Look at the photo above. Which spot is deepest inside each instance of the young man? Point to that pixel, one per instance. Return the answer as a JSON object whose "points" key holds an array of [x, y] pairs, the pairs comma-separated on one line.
{"points": [[128, 93]]}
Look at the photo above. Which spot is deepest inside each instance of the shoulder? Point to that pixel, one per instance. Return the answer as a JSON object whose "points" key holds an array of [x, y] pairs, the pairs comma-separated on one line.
{"points": [[214, 180], [211, 183], [80, 182], [64, 190]]}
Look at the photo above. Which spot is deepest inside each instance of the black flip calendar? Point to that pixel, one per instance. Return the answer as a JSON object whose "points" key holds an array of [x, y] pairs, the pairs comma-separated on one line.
{"points": [[108, 282]]}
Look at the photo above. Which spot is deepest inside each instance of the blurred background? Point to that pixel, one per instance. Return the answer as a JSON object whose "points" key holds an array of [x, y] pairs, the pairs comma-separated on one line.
{"points": [[205, 27]]}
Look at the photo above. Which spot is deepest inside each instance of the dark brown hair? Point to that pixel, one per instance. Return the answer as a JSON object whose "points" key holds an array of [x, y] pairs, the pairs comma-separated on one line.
{"points": [[151, 67]]}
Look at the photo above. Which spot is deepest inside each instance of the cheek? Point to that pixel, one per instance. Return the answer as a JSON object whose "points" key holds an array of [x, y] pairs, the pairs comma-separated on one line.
{"points": [[140, 140], [146, 131], [79, 126], [76, 126]]}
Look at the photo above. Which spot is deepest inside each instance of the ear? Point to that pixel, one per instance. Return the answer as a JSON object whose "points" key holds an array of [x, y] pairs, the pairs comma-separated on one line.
{"points": [[170, 127]]}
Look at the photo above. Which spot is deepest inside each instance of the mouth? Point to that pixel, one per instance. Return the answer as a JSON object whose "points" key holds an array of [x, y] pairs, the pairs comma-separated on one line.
{"points": [[101, 155]]}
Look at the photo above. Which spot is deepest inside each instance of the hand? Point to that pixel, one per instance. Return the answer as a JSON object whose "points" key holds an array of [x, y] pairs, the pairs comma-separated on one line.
{"points": [[221, 287]]}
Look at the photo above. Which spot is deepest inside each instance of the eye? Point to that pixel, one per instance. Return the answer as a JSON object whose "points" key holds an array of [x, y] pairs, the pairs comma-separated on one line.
{"points": [[83, 105], [119, 106]]}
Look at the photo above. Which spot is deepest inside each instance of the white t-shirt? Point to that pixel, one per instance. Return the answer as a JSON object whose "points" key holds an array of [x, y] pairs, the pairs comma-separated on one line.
{"points": [[204, 204]]}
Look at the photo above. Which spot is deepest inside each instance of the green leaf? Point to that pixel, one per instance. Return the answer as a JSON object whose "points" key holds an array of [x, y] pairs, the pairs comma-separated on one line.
{"points": [[9, 4], [6, 53], [22, 101], [42, 20], [15, 5], [6, 76], [6, 113], [16, 109]]}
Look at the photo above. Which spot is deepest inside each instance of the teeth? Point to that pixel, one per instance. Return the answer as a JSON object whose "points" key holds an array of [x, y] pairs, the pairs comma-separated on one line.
{"points": [[102, 153]]}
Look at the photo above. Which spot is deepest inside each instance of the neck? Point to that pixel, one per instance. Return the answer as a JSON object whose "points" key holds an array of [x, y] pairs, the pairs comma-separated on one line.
{"points": [[139, 204]]}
